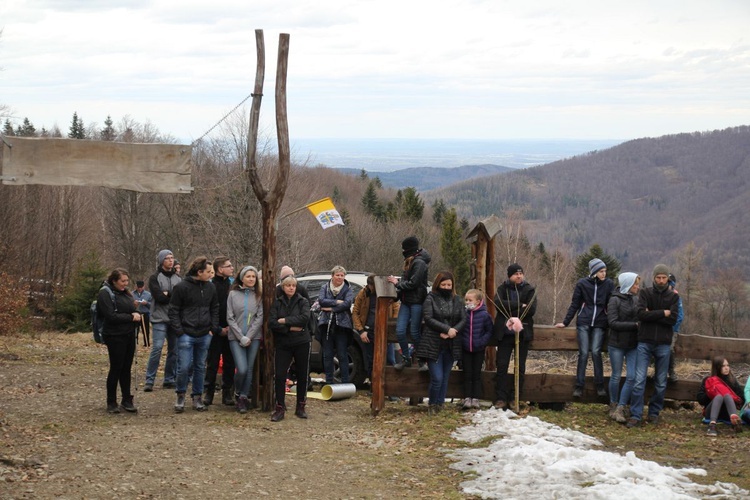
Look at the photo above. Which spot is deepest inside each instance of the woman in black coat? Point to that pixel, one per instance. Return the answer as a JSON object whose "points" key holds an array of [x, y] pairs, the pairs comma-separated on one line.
{"points": [[444, 316], [115, 304], [288, 320]]}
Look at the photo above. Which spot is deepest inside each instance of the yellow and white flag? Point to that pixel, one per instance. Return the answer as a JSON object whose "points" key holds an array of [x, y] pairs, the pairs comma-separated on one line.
{"points": [[325, 212]]}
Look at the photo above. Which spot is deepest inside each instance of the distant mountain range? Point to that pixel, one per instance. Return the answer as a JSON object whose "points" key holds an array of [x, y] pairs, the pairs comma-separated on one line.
{"points": [[643, 200], [427, 178]]}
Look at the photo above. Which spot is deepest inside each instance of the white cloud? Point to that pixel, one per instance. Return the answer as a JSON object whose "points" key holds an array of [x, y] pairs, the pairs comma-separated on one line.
{"points": [[500, 69]]}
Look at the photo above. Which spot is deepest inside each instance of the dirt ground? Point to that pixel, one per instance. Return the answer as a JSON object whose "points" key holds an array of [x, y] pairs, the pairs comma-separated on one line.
{"points": [[59, 442]]}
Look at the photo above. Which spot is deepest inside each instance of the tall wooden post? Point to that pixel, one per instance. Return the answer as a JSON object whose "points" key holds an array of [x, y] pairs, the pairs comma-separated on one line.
{"points": [[270, 201], [386, 294]]}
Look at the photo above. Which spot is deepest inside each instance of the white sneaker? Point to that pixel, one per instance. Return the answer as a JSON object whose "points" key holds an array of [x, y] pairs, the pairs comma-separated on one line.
{"points": [[475, 403], [466, 404]]}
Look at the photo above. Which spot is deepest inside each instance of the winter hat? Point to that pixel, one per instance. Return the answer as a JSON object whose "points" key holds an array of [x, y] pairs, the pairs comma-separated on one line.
{"points": [[245, 270], [285, 271], [139, 283], [672, 280], [513, 269], [410, 245], [163, 255], [596, 265], [661, 269], [626, 280]]}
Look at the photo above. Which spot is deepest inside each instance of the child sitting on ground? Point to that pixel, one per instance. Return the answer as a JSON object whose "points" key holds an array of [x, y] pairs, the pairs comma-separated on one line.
{"points": [[720, 395]]}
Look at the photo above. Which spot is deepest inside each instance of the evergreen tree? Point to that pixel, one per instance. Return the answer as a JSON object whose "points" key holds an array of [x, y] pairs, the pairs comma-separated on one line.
{"points": [[544, 260], [27, 129], [76, 130], [108, 133], [370, 199], [438, 211], [464, 224], [8, 128], [363, 175], [456, 251], [336, 196], [72, 311], [378, 183], [413, 206], [596, 252]]}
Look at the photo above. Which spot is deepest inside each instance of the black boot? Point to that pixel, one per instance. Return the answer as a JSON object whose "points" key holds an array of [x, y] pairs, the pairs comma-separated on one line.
{"points": [[227, 397], [208, 395], [278, 413], [300, 411], [127, 404], [112, 407]]}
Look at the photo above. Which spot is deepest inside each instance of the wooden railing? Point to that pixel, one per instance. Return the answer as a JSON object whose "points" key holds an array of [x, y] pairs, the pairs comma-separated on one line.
{"points": [[556, 388]]}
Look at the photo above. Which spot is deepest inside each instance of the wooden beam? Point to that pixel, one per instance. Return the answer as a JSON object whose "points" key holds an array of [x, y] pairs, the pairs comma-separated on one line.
{"points": [[703, 347]]}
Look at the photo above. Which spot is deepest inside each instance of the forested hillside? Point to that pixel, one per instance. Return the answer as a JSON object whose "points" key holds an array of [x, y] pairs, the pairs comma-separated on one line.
{"points": [[643, 200], [426, 178]]}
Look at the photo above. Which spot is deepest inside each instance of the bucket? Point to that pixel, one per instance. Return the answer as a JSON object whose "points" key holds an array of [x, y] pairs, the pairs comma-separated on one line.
{"points": [[333, 392]]}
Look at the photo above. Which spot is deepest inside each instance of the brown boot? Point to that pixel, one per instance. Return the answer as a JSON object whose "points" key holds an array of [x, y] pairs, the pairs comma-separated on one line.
{"points": [[278, 413], [300, 411]]}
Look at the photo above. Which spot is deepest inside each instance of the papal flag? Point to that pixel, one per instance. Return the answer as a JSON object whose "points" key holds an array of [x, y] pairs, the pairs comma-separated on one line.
{"points": [[325, 212]]}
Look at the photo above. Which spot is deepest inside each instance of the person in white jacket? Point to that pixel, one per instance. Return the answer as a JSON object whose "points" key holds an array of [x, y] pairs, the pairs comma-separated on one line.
{"points": [[245, 319]]}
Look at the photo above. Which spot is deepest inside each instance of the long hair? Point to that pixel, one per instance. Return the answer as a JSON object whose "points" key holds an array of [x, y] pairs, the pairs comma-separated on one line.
{"points": [[240, 275], [717, 363], [443, 276]]}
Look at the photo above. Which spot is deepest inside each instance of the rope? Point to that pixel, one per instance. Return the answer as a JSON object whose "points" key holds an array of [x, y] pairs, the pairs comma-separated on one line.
{"points": [[223, 118]]}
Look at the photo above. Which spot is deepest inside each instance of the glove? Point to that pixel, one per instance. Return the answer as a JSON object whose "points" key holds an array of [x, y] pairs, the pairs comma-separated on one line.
{"points": [[245, 341]]}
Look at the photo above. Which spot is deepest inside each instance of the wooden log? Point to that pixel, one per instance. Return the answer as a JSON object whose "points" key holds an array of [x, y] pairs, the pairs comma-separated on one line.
{"points": [[703, 347], [380, 347], [538, 387]]}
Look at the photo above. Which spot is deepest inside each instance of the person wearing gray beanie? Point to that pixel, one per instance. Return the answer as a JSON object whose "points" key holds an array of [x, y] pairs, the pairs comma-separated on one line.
{"points": [[589, 304], [657, 312]]}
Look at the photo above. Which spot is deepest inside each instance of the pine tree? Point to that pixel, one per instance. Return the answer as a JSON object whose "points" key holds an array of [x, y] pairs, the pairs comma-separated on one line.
{"points": [[596, 252], [27, 129], [336, 196], [438, 211], [456, 251], [370, 199], [363, 175], [108, 133], [8, 128], [413, 206], [76, 130]]}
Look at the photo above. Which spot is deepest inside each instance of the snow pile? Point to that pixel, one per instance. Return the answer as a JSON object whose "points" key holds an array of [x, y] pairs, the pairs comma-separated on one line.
{"points": [[535, 459]]}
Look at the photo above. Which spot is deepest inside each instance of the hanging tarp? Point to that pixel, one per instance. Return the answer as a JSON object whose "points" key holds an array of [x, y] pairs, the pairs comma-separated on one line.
{"points": [[148, 168]]}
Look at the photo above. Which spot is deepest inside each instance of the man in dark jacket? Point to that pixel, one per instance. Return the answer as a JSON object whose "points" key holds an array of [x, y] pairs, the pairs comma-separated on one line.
{"points": [[657, 313], [515, 298], [161, 284], [194, 315], [219, 347]]}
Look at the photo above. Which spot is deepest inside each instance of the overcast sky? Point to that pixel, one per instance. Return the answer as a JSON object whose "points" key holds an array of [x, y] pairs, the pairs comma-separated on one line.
{"points": [[385, 69]]}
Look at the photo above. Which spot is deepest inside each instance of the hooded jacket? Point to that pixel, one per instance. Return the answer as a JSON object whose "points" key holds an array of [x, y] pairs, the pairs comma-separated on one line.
{"points": [[296, 311], [441, 314], [510, 299], [244, 315], [477, 330], [194, 308], [159, 282], [590, 298], [412, 287], [622, 316]]}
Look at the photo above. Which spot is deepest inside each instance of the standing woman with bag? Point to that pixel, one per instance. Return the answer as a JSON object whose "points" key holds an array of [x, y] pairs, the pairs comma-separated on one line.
{"points": [[116, 305], [245, 319]]}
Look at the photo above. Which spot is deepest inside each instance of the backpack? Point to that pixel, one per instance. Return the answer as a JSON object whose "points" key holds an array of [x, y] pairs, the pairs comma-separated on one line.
{"points": [[97, 320]]}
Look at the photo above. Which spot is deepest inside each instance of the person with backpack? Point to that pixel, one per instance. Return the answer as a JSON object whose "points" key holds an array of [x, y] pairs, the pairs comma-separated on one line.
{"points": [[117, 309]]}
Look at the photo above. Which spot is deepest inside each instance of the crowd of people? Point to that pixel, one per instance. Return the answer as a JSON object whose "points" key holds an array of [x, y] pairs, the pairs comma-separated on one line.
{"points": [[215, 314]]}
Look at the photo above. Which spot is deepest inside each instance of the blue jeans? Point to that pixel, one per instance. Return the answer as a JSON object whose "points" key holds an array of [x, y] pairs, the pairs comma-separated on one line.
{"points": [[590, 338], [661, 354], [440, 371], [192, 353], [244, 361], [338, 340], [409, 318], [616, 358], [160, 334]]}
